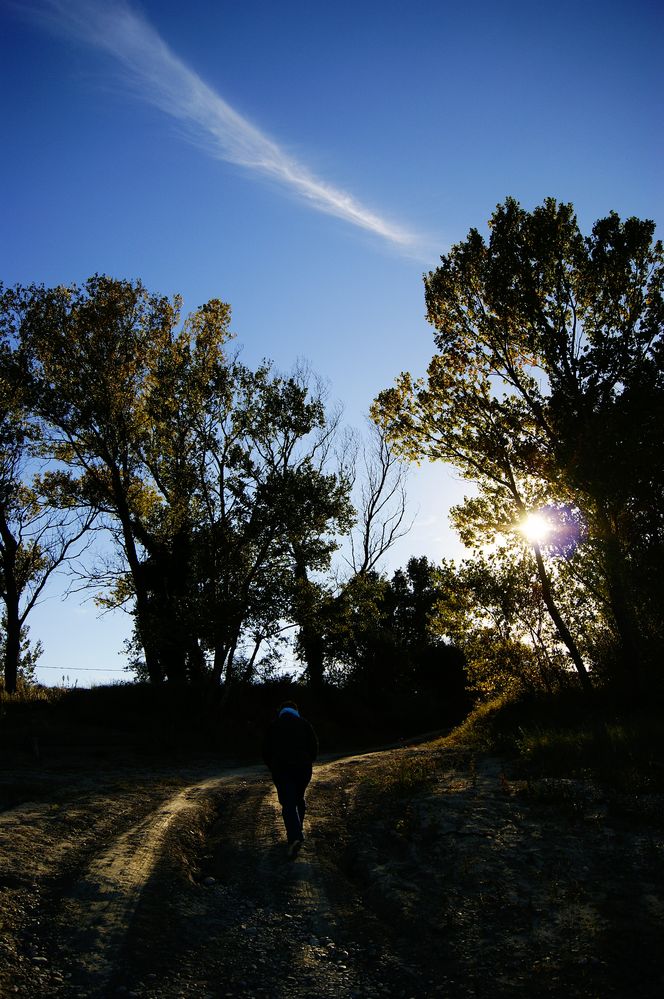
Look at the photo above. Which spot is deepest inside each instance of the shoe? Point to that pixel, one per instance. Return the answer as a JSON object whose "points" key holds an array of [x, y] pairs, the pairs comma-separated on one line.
{"points": [[294, 848]]}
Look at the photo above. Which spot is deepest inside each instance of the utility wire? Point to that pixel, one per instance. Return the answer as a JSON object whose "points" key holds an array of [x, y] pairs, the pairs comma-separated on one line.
{"points": [[82, 669]]}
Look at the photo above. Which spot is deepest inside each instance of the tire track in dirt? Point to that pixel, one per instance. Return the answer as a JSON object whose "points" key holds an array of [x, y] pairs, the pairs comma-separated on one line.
{"points": [[141, 907], [313, 931], [276, 930], [251, 922], [479, 883], [95, 913]]}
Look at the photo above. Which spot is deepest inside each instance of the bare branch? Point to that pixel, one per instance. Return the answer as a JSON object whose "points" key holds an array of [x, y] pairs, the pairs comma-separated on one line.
{"points": [[382, 504]]}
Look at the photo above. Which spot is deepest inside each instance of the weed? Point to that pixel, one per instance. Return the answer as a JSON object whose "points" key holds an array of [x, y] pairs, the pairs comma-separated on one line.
{"points": [[571, 734], [27, 693], [402, 779]]}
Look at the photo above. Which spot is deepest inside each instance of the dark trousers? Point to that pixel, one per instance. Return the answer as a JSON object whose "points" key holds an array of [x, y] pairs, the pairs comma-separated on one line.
{"points": [[291, 783]]}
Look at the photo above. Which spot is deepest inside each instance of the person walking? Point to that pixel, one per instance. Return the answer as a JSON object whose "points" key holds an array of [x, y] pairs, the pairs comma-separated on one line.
{"points": [[289, 750]]}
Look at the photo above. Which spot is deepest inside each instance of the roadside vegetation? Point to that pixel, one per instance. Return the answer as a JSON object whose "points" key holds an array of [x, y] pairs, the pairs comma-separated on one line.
{"points": [[616, 743]]}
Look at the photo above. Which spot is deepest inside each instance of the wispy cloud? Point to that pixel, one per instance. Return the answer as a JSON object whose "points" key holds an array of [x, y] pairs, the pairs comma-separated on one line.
{"points": [[162, 79]]}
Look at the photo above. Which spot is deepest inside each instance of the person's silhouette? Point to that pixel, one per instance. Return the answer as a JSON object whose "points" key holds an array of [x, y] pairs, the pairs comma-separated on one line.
{"points": [[289, 750]]}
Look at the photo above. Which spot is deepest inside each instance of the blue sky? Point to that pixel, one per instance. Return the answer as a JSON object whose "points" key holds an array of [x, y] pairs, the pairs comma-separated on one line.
{"points": [[307, 163]]}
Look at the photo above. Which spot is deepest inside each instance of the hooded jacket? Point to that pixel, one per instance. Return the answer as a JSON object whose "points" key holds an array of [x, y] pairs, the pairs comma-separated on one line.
{"points": [[290, 742]]}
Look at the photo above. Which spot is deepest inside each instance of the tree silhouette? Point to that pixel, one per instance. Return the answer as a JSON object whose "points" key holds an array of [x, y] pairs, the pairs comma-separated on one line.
{"points": [[544, 389], [208, 475], [39, 529]]}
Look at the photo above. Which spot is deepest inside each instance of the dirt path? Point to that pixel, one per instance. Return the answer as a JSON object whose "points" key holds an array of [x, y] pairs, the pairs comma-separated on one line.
{"points": [[98, 909], [157, 886], [424, 874], [249, 922]]}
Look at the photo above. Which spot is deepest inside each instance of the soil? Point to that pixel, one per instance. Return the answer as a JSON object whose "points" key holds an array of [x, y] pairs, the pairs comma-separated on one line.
{"points": [[425, 873]]}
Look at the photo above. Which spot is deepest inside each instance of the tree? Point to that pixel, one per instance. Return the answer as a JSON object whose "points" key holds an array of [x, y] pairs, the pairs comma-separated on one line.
{"points": [[271, 513], [434, 666], [207, 473], [381, 504], [491, 607], [323, 608], [29, 655], [36, 535], [118, 385], [545, 390], [385, 644]]}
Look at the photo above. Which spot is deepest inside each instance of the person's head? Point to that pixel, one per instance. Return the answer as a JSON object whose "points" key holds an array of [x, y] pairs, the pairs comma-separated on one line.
{"points": [[288, 707]]}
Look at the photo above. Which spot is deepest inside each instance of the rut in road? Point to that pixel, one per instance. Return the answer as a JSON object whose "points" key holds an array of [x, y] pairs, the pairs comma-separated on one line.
{"points": [[196, 897], [96, 910], [267, 926]]}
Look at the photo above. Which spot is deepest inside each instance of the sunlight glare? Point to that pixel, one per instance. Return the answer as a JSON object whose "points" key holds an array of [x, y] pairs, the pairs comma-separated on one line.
{"points": [[535, 527]]}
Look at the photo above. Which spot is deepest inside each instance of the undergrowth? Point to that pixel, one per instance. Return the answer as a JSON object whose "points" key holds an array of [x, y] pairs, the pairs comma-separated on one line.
{"points": [[571, 733], [402, 778], [28, 693]]}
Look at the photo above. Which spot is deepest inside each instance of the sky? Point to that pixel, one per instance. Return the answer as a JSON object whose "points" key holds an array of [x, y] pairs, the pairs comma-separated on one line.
{"points": [[308, 163]]}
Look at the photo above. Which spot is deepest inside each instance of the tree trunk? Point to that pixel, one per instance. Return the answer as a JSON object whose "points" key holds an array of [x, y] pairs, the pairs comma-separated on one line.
{"points": [[144, 623], [144, 627], [310, 639], [623, 614], [12, 643], [312, 647], [230, 678], [218, 665], [196, 662], [11, 599], [629, 654], [557, 619]]}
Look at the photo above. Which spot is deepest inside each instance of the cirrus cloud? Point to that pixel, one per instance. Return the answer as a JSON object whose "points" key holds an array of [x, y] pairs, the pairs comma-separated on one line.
{"points": [[162, 79]]}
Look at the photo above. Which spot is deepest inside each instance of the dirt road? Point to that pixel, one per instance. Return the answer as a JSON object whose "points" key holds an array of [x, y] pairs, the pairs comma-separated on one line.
{"points": [[131, 886], [425, 874]]}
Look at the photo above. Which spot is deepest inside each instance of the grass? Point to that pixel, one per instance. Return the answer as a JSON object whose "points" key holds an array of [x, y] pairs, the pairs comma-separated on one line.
{"points": [[388, 793], [27, 693], [568, 734], [403, 778]]}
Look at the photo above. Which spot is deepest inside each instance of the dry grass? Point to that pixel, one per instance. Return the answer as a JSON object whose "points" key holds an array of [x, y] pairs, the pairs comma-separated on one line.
{"points": [[571, 734]]}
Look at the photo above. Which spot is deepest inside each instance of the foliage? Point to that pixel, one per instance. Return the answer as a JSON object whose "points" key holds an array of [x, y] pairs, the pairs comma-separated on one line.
{"points": [[567, 735], [491, 606], [548, 389], [211, 478], [384, 643], [271, 510], [29, 655], [37, 533], [406, 776]]}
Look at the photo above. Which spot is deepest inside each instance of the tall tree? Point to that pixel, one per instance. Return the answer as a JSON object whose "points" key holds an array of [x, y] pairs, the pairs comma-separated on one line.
{"points": [[548, 371], [208, 473], [271, 511], [325, 608], [385, 642], [116, 386], [492, 608], [381, 506], [37, 533]]}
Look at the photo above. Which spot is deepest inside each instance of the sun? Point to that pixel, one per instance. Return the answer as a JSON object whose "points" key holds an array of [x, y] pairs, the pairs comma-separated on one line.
{"points": [[535, 527]]}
